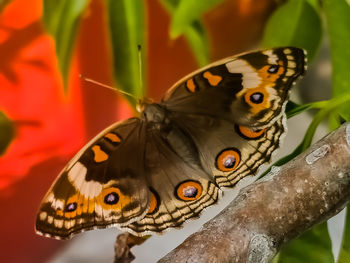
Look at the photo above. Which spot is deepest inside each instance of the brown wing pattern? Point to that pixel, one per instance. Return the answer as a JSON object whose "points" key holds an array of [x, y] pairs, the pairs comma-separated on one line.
{"points": [[229, 152], [248, 89], [101, 186], [180, 189]]}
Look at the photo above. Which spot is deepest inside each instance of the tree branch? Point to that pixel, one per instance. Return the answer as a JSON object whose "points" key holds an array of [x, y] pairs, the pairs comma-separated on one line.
{"points": [[277, 208]]}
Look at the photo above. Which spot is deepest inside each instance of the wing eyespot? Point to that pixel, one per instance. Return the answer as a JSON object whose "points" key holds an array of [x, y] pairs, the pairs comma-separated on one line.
{"points": [[71, 207], [228, 159], [248, 133], [273, 69], [111, 198], [154, 202], [256, 98], [272, 72], [188, 190]]}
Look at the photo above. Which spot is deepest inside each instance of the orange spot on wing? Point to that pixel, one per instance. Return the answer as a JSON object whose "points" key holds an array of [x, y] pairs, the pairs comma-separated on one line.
{"points": [[265, 87], [59, 212], [271, 77], [84, 205], [123, 200], [228, 160], [190, 85], [213, 80], [248, 133], [256, 108], [72, 199], [153, 203], [113, 137], [99, 155], [183, 187]]}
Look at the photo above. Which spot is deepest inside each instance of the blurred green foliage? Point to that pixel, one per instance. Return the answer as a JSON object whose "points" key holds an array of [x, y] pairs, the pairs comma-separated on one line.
{"points": [[193, 30], [344, 254], [337, 15], [296, 23], [7, 132], [312, 246], [186, 12], [61, 20], [128, 31], [3, 4]]}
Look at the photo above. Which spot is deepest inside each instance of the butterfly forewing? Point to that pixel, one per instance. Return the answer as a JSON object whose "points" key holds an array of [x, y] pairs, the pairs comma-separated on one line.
{"points": [[103, 185], [248, 89]]}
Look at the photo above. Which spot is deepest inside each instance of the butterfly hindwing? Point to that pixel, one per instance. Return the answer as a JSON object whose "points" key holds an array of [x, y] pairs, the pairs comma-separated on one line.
{"points": [[228, 151], [180, 188], [101, 186]]}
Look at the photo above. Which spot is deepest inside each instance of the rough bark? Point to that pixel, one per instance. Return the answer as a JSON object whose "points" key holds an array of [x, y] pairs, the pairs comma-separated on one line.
{"points": [[277, 208]]}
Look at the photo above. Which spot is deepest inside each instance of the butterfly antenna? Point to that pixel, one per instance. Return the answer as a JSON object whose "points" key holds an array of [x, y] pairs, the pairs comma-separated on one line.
{"points": [[108, 87], [139, 48]]}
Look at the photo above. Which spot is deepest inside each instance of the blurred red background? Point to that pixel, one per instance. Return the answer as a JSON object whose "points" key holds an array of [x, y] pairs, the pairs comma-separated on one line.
{"points": [[51, 126]]}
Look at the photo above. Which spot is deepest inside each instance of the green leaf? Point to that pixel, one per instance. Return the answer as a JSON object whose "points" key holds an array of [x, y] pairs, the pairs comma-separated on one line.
{"points": [[195, 34], [313, 246], [7, 132], [344, 253], [128, 30], [338, 23], [61, 20], [327, 108], [315, 4], [295, 23], [188, 11], [198, 41], [293, 108]]}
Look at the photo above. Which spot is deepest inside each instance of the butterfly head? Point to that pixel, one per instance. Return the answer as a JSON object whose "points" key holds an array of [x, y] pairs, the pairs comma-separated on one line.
{"points": [[142, 103]]}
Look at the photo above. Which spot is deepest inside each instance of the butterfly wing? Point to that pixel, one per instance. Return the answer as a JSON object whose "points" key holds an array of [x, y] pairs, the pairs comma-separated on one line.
{"points": [[249, 89], [228, 151], [188, 158], [103, 185], [233, 110], [180, 188]]}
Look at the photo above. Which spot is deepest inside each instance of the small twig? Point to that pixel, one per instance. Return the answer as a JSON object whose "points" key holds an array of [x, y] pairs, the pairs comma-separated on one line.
{"points": [[123, 244]]}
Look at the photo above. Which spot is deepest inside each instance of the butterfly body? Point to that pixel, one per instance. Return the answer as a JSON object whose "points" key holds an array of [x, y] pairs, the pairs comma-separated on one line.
{"points": [[153, 172]]}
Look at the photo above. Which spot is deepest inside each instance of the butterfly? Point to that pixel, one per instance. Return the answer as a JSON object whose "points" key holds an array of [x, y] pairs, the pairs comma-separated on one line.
{"points": [[153, 172]]}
